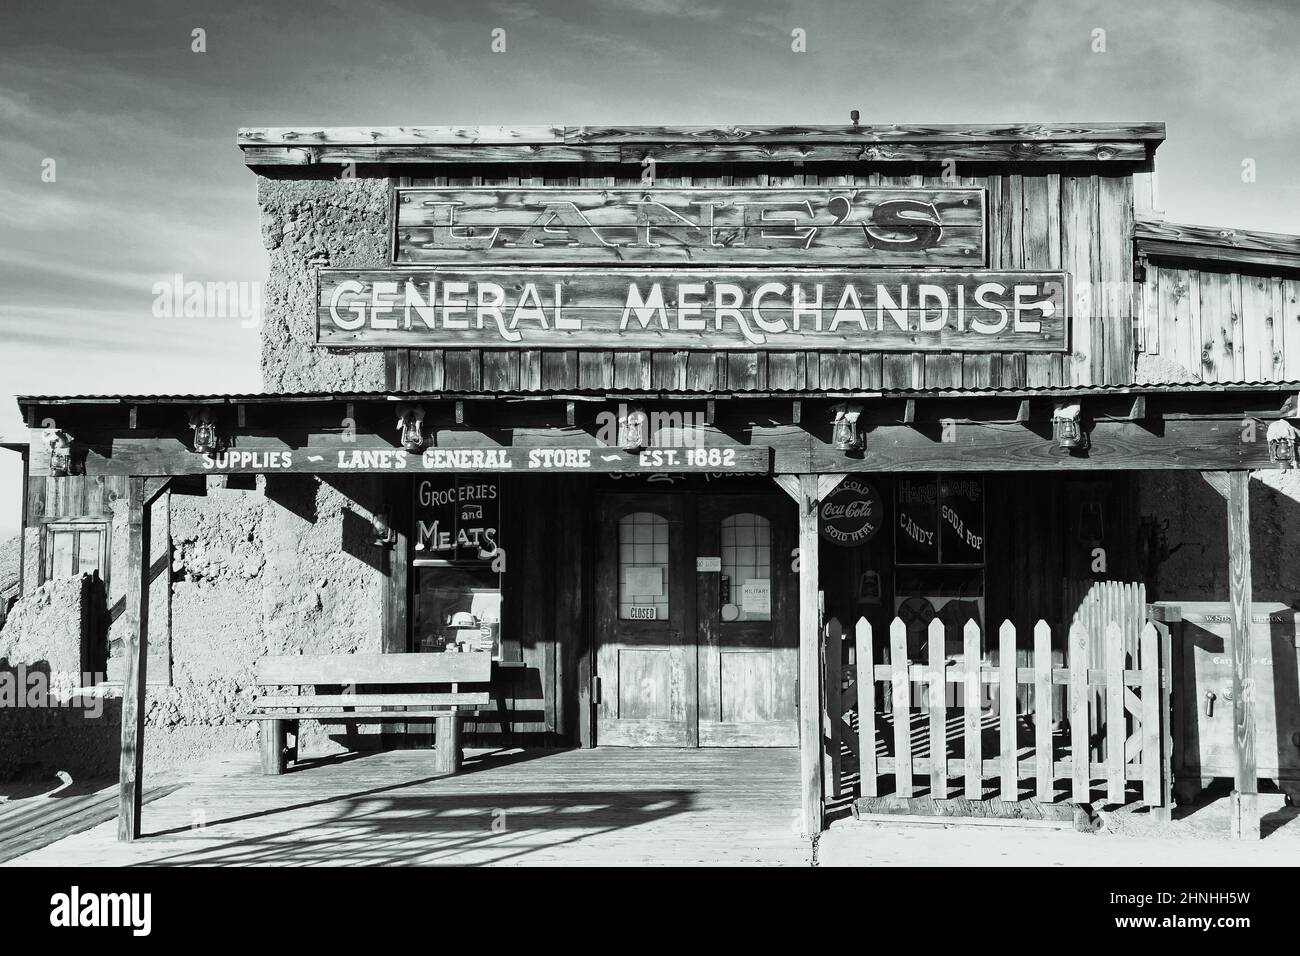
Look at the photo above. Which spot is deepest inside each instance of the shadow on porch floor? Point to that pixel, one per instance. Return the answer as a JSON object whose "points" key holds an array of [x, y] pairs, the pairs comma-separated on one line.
{"points": [[608, 806]]}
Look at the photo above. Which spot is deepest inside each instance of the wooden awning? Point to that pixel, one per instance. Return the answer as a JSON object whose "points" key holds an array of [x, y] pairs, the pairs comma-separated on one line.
{"points": [[1140, 427]]}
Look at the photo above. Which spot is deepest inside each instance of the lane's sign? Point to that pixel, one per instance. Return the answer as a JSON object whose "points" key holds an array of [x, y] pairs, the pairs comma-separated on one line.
{"points": [[651, 460], [684, 226], [693, 309]]}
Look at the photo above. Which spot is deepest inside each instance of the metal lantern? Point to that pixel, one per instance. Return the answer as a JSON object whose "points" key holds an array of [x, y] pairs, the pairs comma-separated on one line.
{"points": [[632, 425], [202, 421], [60, 444], [1066, 427], [411, 424], [845, 435], [1282, 443]]}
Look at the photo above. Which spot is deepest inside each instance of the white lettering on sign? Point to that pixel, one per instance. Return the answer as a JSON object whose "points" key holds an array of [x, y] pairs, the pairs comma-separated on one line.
{"points": [[385, 458], [253, 460], [467, 459], [822, 310], [559, 458], [914, 530], [971, 538]]}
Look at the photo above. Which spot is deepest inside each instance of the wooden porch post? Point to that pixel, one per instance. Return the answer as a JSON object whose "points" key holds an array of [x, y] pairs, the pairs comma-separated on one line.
{"points": [[136, 640], [807, 492], [1245, 800], [810, 703], [141, 494]]}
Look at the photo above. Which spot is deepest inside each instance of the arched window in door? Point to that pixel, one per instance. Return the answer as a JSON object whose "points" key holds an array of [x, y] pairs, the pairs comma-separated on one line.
{"points": [[643, 567], [746, 568]]}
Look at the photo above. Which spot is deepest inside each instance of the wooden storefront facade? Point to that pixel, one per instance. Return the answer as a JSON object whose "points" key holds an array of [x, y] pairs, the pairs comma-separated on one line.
{"points": [[691, 394]]}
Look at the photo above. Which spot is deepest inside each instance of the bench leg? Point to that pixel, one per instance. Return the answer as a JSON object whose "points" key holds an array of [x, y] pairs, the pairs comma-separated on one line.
{"points": [[271, 741], [446, 744]]}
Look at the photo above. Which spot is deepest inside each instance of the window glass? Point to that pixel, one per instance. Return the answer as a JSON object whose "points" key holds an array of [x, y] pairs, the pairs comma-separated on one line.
{"points": [[87, 551], [62, 553], [746, 568], [643, 567]]}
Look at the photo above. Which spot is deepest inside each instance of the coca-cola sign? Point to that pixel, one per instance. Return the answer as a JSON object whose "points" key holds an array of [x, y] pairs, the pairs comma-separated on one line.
{"points": [[852, 514]]}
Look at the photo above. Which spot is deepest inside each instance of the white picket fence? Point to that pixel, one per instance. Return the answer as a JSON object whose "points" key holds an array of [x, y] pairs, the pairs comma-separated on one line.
{"points": [[1113, 731]]}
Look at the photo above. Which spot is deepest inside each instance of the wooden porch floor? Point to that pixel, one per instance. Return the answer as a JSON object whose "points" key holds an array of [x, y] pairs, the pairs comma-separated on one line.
{"points": [[608, 806]]}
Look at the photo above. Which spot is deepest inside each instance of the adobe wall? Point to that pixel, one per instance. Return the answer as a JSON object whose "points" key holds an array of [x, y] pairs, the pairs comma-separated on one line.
{"points": [[306, 224], [283, 569]]}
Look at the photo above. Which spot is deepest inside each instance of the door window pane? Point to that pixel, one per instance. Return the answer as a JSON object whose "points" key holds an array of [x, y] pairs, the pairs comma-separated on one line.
{"points": [[746, 568], [62, 551], [87, 551], [642, 567]]}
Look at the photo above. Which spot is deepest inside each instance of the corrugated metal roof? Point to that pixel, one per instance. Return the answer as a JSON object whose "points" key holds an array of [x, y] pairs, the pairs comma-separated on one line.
{"points": [[596, 393]]}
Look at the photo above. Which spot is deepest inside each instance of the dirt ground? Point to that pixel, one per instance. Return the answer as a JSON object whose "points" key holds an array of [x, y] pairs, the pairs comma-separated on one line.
{"points": [[1196, 837]]}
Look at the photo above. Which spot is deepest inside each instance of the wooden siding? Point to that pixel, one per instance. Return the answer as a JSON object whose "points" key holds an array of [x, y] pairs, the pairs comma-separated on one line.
{"points": [[1051, 217], [1221, 325]]}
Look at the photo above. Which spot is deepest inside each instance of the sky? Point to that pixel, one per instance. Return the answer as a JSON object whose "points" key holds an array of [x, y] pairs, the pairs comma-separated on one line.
{"points": [[119, 169]]}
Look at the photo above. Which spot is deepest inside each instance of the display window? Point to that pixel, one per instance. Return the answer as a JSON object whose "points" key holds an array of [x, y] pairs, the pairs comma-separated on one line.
{"points": [[457, 566]]}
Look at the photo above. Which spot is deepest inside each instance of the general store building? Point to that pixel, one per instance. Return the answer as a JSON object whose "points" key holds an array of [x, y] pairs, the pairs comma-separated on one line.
{"points": [[672, 436]]}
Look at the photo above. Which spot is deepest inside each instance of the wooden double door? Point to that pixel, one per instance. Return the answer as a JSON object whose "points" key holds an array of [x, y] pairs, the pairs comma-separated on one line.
{"points": [[696, 620]]}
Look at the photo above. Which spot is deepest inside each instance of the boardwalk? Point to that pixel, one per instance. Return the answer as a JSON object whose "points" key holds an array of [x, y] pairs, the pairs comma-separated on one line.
{"points": [[606, 806]]}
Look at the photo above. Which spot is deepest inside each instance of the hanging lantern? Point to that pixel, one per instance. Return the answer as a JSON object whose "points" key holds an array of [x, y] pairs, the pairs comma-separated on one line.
{"points": [[60, 444], [632, 428], [411, 425], [1067, 428], [845, 435], [1282, 443], [203, 422]]}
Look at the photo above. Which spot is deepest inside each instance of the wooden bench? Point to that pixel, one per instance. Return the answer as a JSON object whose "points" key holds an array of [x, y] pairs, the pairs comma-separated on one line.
{"points": [[443, 698]]}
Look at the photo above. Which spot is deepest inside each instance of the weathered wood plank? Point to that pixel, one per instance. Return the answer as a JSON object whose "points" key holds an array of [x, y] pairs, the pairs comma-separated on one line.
{"points": [[1007, 710], [1043, 756], [864, 659], [972, 715], [900, 703], [1245, 784], [135, 638], [1077, 659], [1149, 661], [360, 669], [1079, 217], [810, 737], [935, 642], [1115, 729]]}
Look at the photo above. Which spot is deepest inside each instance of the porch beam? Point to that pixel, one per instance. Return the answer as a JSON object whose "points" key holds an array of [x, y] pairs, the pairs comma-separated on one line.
{"points": [[1245, 800], [1190, 444], [135, 628]]}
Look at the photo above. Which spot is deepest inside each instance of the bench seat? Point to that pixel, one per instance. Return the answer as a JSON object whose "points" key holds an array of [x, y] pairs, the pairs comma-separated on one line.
{"points": [[309, 713], [464, 676]]}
